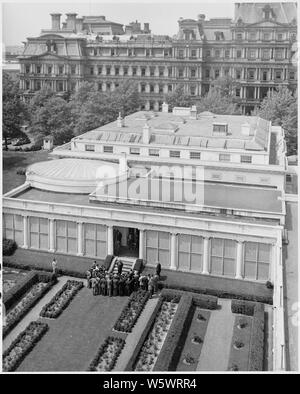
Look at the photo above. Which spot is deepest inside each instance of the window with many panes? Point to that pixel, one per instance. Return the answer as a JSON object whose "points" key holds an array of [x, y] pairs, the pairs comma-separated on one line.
{"points": [[238, 53], [134, 151], [217, 53], [246, 159], [158, 247], [154, 152], [195, 155], [224, 157], [257, 258], [90, 148], [108, 149], [239, 36], [265, 54], [278, 75], [180, 73], [227, 53], [175, 153], [223, 257], [190, 253]]}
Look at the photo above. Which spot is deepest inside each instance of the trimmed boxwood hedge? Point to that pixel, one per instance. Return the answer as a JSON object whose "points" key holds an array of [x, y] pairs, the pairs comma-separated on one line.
{"points": [[256, 354], [16, 293], [242, 307], [145, 333], [220, 293], [203, 301], [43, 327], [168, 356], [8, 247], [28, 267]]}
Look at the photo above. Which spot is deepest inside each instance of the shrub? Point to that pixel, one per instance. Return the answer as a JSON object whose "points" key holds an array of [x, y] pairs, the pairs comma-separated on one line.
{"points": [[169, 353], [25, 342], [138, 265], [21, 171], [269, 285], [202, 300], [108, 260], [256, 353], [136, 304], [102, 353], [62, 299], [16, 292], [8, 247], [242, 307]]}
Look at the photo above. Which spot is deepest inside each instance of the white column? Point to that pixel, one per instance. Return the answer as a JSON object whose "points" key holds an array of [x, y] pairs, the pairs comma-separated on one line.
{"points": [[25, 232], [51, 235], [141, 244], [173, 265], [110, 240], [239, 260], [205, 256], [79, 239]]}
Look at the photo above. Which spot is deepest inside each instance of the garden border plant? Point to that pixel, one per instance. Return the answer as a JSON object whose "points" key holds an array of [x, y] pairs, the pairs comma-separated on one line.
{"points": [[47, 312], [42, 328], [15, 294], [101, 352], [140, 297]]}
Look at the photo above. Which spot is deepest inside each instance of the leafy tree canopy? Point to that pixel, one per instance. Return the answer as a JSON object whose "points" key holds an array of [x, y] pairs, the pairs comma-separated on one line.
{"points": [[214, 101]]}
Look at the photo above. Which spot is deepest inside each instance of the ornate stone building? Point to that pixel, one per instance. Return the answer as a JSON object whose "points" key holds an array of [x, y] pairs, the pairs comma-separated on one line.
{"points": [[256, 48]]}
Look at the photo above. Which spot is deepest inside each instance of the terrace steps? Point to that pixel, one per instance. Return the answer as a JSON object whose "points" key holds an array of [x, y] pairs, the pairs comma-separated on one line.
{"points": [[128, 263]]}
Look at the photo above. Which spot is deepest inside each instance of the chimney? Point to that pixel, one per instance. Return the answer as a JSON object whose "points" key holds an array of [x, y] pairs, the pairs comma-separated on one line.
{"points": [[120, 121], [79, 24], [146, 134], [71, 21], [246, 129], [165, 107], [146, 28], [55, 18], [193, 113]]}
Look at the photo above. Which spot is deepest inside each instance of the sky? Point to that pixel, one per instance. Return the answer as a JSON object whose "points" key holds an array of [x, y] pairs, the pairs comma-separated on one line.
{"points": [[23, 19]]}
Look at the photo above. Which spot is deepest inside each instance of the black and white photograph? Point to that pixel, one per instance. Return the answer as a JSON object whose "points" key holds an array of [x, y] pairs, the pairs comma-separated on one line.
{"points": [[149, 190]]}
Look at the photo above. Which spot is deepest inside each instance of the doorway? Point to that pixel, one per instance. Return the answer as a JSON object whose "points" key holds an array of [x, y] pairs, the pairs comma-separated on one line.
{"points": [[126, 242]]}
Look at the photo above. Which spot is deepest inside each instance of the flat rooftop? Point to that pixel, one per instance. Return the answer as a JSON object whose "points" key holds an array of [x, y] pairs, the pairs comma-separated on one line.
{"points": [[170, 129], [214, 195], [33, 194]]}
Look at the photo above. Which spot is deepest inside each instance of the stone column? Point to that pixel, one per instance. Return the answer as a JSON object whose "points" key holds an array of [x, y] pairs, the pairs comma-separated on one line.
{"points": [[79, 239], [25, 232], [205, 256], [141, 244], [110, 240], [52, 235], [173, 256], [239, 260]]}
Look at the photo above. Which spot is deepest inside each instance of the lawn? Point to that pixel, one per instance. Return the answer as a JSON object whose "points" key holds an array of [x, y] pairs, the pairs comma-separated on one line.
{"points": [[12, 161], [75, 336]]}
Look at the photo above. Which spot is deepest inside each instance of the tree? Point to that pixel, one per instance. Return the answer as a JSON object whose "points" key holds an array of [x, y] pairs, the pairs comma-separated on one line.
{"points": [[14, 110], [225, 85], [178, 98], [219, 103], [281, 108], [53, 118], [93, 108]]}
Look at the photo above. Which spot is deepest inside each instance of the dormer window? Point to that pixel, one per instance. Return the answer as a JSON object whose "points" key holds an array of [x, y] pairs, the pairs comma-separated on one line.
{"points": [[267, 12], [220, 128]]}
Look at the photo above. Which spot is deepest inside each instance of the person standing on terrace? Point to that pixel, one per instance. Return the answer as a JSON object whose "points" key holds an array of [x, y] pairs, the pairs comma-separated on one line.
{"points": [[54, 266]]}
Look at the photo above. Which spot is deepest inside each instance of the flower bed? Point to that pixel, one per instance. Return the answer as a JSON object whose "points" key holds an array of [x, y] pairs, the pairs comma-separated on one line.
{"points": [[154, 342], [107, 354], [22, 345], [132, 311], [62, 299]]}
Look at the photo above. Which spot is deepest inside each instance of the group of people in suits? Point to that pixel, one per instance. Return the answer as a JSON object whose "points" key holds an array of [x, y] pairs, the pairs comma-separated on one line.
{"points": [[120, 283]]}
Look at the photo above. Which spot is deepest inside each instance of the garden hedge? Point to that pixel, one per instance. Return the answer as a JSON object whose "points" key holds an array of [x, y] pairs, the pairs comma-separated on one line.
{"points": [[168, 356], [242, 307], [43, 327], [8, 247], [103, 348], [203, 301], [256, 354], [131, 363], [138, 265], [108, 260], [221, 294], [15, 294]]}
